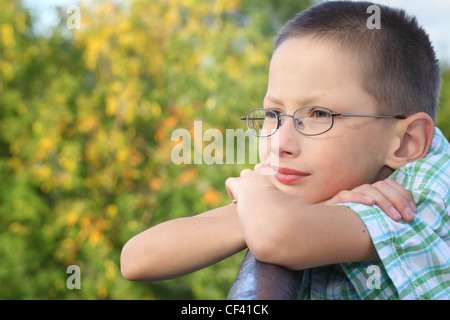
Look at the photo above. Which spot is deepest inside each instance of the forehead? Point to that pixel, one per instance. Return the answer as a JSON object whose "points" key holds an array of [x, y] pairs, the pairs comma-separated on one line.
{"points": [[306, 71]]}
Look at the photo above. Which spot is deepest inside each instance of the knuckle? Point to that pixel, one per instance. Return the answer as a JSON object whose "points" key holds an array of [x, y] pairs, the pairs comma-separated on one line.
{"points": [[245, 172], [365, 187], [345, 195], [379, 184], [228, 181], [403, 205], [392, 182]]}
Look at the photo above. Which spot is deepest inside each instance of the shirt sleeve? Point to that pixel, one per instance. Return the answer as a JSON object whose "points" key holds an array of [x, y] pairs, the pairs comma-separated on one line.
{"points": [[415, 255]]}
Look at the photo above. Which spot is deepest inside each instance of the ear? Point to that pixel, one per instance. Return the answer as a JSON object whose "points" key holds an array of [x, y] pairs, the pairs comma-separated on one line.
{"points": [[413, 137]]}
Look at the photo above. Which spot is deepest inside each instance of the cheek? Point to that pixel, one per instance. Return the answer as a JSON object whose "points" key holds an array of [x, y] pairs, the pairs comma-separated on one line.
{"points": [[343, 169], [347, 168], [264, 148]]}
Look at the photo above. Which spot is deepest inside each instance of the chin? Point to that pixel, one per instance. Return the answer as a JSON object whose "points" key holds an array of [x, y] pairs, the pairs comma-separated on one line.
{"points": [[297, 192]]}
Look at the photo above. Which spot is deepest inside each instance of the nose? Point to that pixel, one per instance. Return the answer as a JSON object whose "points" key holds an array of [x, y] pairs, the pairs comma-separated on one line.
{"points": [[285, 142]]}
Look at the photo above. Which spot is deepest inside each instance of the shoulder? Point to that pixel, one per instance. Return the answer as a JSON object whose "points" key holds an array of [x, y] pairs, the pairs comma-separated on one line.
{"points": [[415, 255], [410, 250]]}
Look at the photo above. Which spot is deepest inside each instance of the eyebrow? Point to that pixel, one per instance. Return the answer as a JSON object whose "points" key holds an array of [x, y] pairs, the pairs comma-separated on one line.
{"points": [[303, 102]]}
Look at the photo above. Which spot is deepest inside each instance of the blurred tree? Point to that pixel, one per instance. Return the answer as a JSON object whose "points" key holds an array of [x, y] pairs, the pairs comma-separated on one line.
{"points": [[443, 116], [86, 117]]}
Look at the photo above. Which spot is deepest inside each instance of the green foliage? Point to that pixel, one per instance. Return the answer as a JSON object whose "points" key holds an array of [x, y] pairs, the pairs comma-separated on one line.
{"points": [[443, 117], [86, 118]]}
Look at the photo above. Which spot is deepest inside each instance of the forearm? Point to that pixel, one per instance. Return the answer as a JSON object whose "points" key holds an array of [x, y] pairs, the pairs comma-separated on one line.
{"points": [[283, 229], [287, 231], [267, 222], [181, 246]]}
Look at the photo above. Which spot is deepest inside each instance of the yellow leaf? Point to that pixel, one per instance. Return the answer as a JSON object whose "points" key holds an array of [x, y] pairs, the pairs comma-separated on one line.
{"points": [[88, 123], [18, 228], [187, 176], [170, 122], [71, 218], [155, 184], [95, 236], [111, 105], [211, 197], [111, 210], [7, 35], [122, 155]]}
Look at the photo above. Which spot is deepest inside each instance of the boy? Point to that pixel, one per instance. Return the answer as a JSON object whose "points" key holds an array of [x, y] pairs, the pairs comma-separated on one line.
{"points": [[374, 95]]}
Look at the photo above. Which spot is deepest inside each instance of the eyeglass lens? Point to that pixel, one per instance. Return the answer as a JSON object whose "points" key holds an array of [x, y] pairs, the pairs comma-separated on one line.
{"points": [[308, 120]]}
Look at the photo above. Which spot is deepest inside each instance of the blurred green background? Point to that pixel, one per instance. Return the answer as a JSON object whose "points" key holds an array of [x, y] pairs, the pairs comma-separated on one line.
{"points": [[86, 117]]}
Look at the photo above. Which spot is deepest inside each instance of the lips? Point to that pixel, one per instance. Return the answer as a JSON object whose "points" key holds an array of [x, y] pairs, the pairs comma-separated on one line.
{"points": [[288, 176]]}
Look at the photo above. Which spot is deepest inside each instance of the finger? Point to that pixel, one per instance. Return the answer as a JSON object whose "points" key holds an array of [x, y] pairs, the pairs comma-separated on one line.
{"points": [[380, 200], [263, 168], [246, 172], [260, 169], [346, 196], [391, 196], [397, 198], [258, 166], [405, 193], [229, 187]]}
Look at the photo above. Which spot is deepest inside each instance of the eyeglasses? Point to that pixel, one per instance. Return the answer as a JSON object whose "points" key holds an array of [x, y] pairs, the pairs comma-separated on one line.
{"points": [[310, 121]]}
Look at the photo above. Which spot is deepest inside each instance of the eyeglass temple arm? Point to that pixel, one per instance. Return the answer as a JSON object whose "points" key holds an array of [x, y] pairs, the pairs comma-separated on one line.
{"points": [[348, 115], [367, 116], [245, 118]]}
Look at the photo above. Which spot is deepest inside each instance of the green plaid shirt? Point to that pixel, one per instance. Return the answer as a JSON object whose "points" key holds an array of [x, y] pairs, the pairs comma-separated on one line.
{"points": [[414, 257]]}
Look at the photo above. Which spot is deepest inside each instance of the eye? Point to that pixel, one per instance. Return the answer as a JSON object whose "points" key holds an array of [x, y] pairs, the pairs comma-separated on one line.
{"points": [[271, 113], [319, 114]]}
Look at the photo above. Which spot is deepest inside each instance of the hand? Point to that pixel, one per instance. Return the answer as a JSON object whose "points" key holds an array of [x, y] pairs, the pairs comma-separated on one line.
{"points": [[387, 194], [250, 181]]}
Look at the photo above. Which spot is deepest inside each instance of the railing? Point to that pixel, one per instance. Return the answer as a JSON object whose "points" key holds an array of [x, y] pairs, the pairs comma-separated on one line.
{"points": [[262, 281]]}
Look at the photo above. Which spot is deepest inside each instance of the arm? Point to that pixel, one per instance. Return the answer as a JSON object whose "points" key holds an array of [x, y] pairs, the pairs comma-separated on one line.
{"points": [[391, 197], [184, 245], [298, 235], [181, 246], [285, 230]]}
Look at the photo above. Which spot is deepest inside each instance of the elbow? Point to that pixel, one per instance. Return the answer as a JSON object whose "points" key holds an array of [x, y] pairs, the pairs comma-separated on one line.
{"points": [[128, 272], [141, 263], [127, 268], [131, 264], [263, 252], [272, 254], [275, 246], [269, 249]]}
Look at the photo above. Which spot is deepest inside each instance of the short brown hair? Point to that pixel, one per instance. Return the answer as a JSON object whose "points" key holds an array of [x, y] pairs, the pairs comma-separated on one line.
{"points": [[399, 64]]}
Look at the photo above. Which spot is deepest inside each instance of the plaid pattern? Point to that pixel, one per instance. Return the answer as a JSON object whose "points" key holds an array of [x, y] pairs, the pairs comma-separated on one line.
{"points": [[415, 257]]}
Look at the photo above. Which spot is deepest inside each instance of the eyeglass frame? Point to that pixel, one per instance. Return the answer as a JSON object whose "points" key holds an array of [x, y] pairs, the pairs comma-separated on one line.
{"points": [[332, 113]]}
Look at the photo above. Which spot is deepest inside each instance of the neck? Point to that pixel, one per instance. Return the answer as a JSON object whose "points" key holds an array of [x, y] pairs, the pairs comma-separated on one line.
{"points": [[384, 173]]}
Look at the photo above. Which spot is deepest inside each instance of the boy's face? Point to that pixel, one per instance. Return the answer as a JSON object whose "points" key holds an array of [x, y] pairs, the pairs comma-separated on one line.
{"points": [[307, 72]]}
